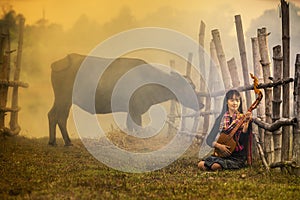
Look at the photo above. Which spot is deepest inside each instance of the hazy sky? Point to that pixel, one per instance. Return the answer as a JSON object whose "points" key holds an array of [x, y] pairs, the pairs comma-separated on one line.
{"points": [[181, 15], [66, 12]]}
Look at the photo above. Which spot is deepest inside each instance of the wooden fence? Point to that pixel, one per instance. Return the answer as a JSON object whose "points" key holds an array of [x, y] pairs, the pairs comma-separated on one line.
{"points": [[9, 78], [272, 129]]}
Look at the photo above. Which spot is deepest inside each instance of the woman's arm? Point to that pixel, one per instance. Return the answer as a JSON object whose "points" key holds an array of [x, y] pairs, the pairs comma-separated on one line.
{"points": [[214, 132], [248, 118], [222, 147]]}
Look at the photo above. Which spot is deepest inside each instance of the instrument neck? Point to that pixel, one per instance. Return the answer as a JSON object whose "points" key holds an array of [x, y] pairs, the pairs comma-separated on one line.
{"points": [[237, 126]]}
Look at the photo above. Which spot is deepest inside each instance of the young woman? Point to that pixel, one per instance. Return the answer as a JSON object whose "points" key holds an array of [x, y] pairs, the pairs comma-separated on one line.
{"points": [[231, 112]]}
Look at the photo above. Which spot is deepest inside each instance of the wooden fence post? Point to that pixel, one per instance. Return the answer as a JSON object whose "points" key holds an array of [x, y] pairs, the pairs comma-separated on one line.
{"points": [[258, 73], [171, 123], [212, 84], [14, 126], [257, 131], [296, 128], [188, 74], [4, 71], [202, 82], [265, 62], [201, 56], [286, 73], [277, 58], [233, 72], [221, 58], [243, 55], [232, 67], [215, 82]]}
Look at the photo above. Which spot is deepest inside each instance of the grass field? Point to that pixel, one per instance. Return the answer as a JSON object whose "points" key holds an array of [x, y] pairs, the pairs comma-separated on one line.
{"points": [[30, 169]]}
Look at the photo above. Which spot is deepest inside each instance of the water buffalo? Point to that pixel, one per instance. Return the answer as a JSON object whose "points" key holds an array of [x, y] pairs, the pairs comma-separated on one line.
{"points": [[63, 76]]}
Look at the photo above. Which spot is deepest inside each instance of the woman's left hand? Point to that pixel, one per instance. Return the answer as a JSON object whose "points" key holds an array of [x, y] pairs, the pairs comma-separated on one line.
{"points": [[248, 116]]}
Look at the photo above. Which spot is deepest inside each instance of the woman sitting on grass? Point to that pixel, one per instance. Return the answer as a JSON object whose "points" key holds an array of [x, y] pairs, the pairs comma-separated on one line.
{"points": [[231, 112]]}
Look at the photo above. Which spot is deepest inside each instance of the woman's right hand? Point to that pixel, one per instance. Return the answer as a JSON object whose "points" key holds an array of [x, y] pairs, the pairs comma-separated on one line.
{"points": [[223, 148]]}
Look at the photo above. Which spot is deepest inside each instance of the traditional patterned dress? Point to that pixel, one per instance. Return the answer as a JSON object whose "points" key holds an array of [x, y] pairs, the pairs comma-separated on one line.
{"points": [[238, 158]]}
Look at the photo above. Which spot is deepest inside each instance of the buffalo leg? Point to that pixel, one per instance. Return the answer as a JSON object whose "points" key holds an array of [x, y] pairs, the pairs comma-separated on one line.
{"points": [[52, 119], [62, 124]]}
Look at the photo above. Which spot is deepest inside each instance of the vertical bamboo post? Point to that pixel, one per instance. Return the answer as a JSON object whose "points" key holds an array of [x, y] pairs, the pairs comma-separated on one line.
{"points": [[261, 152], [171, 129], [265, 62], [202, 78], [215, 81], [232, 67], [188, 74], [257, 132], [206, 117], [201, 56], [277, 58], [14, 126], [233, 72], [296, 128], [285, 74], [243, 55], [4, 70], [211, 87], [259, 74], [2, 92], [189, 65], [221, 58]]}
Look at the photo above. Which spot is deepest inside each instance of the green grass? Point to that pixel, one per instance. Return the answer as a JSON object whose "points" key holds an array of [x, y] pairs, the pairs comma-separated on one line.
{"points": [[30, 169]]}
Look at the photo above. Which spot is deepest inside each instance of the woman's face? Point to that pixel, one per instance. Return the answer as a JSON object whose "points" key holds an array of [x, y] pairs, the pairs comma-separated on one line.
{"points": [[233, 103]]}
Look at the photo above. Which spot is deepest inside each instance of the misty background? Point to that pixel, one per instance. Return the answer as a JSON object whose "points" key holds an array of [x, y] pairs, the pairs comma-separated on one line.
{"points": [[46, 42]]}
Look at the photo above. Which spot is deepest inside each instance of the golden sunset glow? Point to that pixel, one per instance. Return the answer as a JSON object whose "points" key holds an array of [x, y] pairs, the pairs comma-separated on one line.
{"points": [[80, 25], [66, 12]]}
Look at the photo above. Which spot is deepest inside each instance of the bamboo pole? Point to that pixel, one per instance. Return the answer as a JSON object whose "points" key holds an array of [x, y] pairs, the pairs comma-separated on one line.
{"points": [[261, 152], [286, 74], [243, 55], [194, 114], [13, 83], [14, 126], [233, 72], [4, 70], [215, 81], [284, 164], [235, 78], [277, 60], [2, 74], [208, 99], [250, 87], [296, 128], [201, 56], [265, 62], [275, 125], [189, 66], [188, 74], [258, 73], [221, 58], [206, 118], [202, 78], [171, 129]]}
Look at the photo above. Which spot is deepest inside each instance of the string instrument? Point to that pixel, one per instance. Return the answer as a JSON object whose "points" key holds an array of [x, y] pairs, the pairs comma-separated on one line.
{"points": [[226, 138]]}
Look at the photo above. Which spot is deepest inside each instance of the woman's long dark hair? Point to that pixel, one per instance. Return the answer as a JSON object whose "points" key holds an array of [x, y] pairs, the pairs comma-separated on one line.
{"points": [[215, 130]]}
